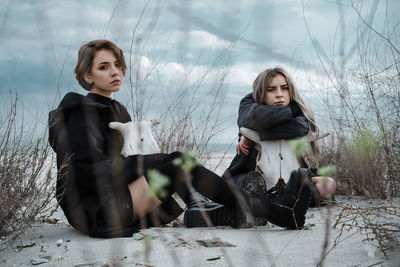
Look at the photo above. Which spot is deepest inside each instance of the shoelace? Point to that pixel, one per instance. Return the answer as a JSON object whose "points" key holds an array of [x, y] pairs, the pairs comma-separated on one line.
{"points": [[273, 190], [279, 186]]}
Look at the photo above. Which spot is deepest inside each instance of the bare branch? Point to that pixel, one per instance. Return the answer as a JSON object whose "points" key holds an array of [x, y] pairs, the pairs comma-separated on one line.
{"points": [[387, 39]]}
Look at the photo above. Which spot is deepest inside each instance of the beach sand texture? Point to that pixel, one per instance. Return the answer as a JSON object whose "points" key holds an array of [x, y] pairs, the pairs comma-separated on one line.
{"points": [[58, 244]]}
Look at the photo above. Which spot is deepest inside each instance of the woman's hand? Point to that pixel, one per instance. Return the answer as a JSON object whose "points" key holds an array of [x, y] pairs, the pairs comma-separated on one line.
{"points": [[243, 146]]}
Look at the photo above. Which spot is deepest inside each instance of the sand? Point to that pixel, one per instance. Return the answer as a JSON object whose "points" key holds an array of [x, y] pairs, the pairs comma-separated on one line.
{"points": [[61, 245], [58, 244]]}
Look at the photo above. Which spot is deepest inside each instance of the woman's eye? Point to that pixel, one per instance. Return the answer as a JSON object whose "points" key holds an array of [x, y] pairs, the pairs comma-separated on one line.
{"points": [[104, 67], [118, 65]]}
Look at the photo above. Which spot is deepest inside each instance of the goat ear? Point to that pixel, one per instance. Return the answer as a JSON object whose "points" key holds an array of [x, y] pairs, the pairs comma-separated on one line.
{"points": [[322, 135], [116, 125], [155, 121], [312, 136], [250, 134]]}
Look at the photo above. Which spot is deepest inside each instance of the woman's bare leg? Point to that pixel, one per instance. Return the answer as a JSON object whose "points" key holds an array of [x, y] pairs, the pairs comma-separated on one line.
{"points": [[143, 199]]}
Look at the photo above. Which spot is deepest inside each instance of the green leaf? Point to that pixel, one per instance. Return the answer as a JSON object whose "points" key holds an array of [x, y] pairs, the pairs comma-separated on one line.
{"points": [[187, 162], [148, 239], [157, 182], [365, 143], [299, 146], [327, 170]]}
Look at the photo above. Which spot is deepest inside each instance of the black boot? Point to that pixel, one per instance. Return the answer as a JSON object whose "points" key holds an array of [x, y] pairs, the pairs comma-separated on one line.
{"points": [[254, 185], [288, 206], [200, 207]]}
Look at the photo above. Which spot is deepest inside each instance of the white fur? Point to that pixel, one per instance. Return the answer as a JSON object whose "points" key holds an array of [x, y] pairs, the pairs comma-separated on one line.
{"points": [[138, 138], [276, 159]]}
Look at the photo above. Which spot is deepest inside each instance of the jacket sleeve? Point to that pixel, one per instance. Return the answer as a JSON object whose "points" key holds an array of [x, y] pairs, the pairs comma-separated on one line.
{"points": [[242, 163], [91, 167], [259, 117], [296, 127]]}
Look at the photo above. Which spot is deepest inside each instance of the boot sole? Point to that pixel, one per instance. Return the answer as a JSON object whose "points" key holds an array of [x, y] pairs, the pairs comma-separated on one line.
{"points": [[219, 216]]}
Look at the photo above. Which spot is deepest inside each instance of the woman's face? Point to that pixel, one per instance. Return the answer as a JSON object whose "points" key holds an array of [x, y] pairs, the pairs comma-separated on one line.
{"points": [[278, 92], [106, 73]]}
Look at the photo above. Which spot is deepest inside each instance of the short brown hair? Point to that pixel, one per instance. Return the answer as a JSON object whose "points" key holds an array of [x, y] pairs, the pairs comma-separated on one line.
{"points": [[86, 55]]}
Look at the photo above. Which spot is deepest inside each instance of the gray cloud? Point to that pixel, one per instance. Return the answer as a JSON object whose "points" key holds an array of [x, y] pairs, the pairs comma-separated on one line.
{"points": [[38, 37]]}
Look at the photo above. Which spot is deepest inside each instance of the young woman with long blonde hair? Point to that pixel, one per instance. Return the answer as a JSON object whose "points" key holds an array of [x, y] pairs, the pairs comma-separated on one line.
{"points": [[275, 110]]}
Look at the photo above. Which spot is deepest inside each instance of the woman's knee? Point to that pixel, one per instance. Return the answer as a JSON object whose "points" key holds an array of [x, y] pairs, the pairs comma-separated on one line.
{"points": [[326, 186], [175, 155]]}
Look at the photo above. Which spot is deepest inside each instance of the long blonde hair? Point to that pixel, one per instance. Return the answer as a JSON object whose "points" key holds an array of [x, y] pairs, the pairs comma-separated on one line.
{"points": [[260, 86]]}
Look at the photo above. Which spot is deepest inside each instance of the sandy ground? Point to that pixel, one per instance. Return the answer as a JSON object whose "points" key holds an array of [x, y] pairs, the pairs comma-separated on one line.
{"points": [[58, 244]]}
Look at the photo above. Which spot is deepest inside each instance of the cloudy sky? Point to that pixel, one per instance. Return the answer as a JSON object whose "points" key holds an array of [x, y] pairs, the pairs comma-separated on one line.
{"points": [[174, 42]]}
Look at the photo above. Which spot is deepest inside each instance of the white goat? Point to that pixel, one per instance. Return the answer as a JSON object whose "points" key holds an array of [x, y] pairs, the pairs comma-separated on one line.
{"points": [[276, 159], [137, 136]]}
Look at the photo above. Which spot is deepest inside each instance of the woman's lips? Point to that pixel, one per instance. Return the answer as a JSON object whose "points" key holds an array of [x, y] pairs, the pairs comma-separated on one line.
{"points": [[116, 82], [280, 103]]}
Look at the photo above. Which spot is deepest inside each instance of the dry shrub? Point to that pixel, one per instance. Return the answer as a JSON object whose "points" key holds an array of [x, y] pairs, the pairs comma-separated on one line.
{"points": [[378, 222], [192, 129], [361, 167], [362, 102], [190, 106], [26, 186]]}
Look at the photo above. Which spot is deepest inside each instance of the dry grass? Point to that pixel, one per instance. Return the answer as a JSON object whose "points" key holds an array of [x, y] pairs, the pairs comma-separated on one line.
{"points": [[361, 104], [379, 223], [26, 174], [361, 167]]}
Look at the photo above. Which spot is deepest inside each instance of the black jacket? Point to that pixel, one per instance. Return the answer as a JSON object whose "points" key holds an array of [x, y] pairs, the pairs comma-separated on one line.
{"points": [[93, 177], [271, 123]]}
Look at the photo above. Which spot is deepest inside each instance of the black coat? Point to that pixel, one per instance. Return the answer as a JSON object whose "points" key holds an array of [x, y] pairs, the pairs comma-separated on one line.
{"points": [[93, 177], [271, 123]]}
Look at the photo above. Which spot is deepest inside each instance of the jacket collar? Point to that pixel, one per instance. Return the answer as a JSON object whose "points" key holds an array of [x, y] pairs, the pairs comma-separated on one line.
{"points": [[99, 98]]}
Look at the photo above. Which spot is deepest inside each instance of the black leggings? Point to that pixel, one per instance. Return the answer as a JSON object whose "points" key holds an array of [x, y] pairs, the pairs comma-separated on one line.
{"points": [[204, 181]]}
